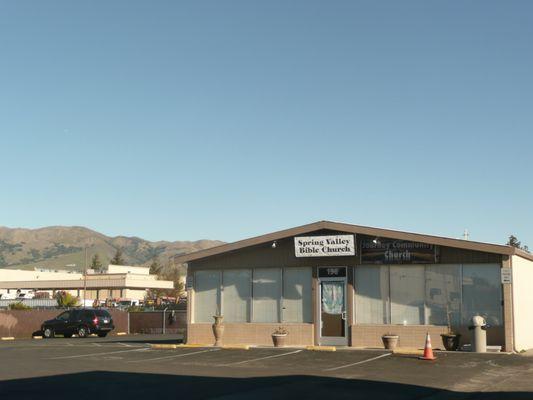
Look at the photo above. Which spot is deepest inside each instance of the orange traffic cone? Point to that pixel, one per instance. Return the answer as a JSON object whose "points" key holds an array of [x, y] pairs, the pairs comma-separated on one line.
{"points": [[428, 351]]}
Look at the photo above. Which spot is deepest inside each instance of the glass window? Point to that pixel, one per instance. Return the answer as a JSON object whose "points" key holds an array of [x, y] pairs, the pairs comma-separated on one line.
{"points": [[64, 316], [102, 313], [206, 295], [482, 293], [443, 294], [372, 294], [267, 294], [407, 292], [297, 295], [236, 295]]}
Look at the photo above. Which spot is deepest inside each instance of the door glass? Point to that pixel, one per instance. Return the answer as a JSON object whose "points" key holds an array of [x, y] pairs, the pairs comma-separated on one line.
{"points": [[332, 308]]}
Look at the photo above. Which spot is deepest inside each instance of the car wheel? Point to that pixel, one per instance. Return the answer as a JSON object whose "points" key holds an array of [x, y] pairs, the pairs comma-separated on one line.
{"points": [[102, 334], [48, 332], [83, 332]]}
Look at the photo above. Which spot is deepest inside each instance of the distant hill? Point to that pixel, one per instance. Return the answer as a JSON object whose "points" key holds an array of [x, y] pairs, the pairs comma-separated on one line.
{"points": [[63, 247]]}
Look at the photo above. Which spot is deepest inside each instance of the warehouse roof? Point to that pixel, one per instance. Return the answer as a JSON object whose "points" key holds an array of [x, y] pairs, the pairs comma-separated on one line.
{"points": [[357, 229]]}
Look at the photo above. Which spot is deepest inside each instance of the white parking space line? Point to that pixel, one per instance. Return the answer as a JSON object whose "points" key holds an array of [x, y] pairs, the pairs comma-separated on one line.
{"points": [[96, 354], [97, 344], [173, 356], [260, 358], [359, 362], [125, 344]]}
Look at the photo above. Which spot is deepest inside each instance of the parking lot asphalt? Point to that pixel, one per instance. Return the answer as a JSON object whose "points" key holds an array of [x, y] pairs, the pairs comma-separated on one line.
{"points": [[127, 367]]}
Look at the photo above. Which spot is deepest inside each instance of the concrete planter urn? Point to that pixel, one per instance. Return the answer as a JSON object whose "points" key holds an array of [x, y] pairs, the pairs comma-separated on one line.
{"points": [[218, 329], [390, 341], [279, 337]]}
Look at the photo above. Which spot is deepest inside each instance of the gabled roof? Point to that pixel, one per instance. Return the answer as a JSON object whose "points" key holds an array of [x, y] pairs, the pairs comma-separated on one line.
{"points": [[357, 229]]}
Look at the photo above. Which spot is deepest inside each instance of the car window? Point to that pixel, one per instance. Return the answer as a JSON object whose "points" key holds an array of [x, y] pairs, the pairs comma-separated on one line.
{"points": [[88, 314], [102, 313], [64, 316]]}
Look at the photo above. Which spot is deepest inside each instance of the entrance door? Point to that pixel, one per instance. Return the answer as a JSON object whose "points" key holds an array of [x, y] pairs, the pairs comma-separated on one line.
{"points": [[332, 308]]}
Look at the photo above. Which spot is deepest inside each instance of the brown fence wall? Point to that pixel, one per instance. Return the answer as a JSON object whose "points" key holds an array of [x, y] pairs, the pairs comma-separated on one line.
{"points": [[152, 322], [22, 324]]}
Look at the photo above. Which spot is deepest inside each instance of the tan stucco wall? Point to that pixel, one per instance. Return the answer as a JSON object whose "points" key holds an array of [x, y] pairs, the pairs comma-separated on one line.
{"points": [[253, 334], [410, 335], [522, 303]]}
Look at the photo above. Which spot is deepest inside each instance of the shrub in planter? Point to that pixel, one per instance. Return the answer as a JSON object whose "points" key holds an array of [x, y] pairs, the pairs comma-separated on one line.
{"points": [[390, 341], [451, 341], [279, 337]]}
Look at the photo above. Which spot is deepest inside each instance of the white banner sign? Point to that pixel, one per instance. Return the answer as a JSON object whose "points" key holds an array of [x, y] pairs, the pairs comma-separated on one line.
{"points": [[324, 246]]}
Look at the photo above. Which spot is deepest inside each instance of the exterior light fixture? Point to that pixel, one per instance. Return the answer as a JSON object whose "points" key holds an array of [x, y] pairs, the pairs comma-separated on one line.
{"points": [[274, 244], [375, 240]]}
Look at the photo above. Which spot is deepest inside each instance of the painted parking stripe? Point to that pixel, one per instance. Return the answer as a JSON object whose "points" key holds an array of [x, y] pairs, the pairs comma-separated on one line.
{"points": [[174, 356], [95, 354], [260, 358], [359, 362]]}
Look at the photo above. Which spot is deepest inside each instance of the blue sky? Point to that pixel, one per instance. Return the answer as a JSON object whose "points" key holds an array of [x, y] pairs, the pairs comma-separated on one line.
{"points": [[226, 119]]}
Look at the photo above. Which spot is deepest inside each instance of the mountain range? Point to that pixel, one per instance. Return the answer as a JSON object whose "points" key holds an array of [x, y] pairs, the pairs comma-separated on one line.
{"points": [[62, 247]]}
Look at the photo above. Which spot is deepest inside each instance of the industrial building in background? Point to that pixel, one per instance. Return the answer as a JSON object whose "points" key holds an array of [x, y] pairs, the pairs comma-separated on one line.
{"points": [[116, 282]]}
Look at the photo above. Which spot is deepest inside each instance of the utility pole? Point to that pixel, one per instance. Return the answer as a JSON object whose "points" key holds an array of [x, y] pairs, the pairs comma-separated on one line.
{"points": [[85, 279]]}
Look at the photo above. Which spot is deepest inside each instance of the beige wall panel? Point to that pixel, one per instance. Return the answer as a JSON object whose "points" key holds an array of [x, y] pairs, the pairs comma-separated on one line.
{"points": [[253, 334], [522, 277]]}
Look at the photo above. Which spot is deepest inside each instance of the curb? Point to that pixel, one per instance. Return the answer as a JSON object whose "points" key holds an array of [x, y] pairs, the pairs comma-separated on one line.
{"points": [[236, 347], [121, 333], [7, 338], [408, 352], [163, 346], [193, 345], [37, 337], [321, 348]]}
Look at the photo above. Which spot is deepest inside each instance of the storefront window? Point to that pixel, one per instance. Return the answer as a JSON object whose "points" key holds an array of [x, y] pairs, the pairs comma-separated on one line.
{"points": [[207, 295], [266, 294], [482, 293], [443, 294], [372, 294], [236, 297], [407, 291], [432, 294], [297, 295]]}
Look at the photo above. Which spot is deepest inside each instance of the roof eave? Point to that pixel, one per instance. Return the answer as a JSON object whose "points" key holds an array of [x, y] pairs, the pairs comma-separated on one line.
{"points": [[357, 229]]}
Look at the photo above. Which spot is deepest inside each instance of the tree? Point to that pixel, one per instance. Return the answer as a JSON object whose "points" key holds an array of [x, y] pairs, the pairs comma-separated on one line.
{"points": [[117, 259], [155, 266], [170, 273], [96, 264], [65, 299], [513, 241]]}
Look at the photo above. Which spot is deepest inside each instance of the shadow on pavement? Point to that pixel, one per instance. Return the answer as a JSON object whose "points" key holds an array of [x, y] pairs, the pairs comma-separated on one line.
{"points": [[118, 385]]}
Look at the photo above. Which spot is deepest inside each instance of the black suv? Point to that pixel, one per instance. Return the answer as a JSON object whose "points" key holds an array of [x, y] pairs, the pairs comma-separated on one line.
{"points": [[81, 322]]}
